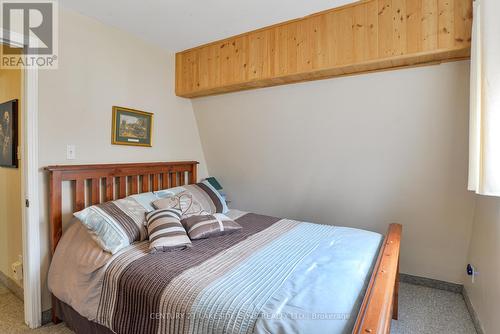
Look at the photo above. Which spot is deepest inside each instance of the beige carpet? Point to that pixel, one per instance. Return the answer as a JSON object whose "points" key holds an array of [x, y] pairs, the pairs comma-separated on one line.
{"points": [[12, 319], [424, 310]]}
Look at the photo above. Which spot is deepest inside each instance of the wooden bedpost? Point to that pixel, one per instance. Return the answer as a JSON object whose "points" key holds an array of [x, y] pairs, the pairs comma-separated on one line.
{"points": [[55, 216], [395, 308], [194, 174]]}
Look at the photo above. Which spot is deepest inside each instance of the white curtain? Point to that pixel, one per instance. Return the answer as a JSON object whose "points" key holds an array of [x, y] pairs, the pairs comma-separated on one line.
{"points": [[484, 148]]}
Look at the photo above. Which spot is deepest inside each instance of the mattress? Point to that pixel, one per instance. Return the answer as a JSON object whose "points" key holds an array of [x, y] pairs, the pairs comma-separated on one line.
{"points": [[273, 276]]}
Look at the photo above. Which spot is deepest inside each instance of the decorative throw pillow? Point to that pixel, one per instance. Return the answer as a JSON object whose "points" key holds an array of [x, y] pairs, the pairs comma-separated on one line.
{"points": [[166, 231], [201, 227], [183, 201], [115, 225], [146, 200], [193, 199], [169, 192]]}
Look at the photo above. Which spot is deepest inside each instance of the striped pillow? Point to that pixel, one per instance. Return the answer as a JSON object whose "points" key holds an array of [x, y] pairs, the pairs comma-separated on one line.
{"points": [[115, 225], [166, 231], [206, 226], [194, 199]]}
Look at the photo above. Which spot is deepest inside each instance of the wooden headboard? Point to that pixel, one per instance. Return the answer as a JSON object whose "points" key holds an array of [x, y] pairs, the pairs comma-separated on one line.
{"points": [[96, 184]]}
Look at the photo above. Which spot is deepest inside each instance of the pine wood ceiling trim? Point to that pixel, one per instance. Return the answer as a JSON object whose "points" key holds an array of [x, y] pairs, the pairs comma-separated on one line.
{"points": [[365, 36]]}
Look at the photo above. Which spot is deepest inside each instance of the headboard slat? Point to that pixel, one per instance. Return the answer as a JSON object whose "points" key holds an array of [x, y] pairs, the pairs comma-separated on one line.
{"points": [[123, 187], [145, 183], [156, 182], [165, 181], [127, 175], [134, 184], [80, 195], [173, 180], [110, 181], [96, 198]]}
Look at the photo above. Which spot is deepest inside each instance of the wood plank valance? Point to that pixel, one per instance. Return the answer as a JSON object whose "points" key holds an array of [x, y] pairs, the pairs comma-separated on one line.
{"points": [[364, 36]]}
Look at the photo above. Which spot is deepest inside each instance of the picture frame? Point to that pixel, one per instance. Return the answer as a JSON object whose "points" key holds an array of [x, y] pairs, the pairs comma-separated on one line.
{"points": [[132, 127], [9, 134]]}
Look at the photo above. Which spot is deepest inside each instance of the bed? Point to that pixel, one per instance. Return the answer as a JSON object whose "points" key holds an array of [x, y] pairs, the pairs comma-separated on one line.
{"points": [[273, 276]]}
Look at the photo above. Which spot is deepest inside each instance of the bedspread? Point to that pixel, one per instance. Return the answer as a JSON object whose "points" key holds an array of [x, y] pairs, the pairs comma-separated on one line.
{"points": [[273, 276]]}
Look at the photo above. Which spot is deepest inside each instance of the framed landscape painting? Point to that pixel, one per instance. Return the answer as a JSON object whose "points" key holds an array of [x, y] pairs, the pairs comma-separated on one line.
{"points": [[132, 127], [8, 134]]}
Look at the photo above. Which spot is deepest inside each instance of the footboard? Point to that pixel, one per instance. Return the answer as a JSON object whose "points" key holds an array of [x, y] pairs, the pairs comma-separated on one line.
{"points": [[380, 303]]}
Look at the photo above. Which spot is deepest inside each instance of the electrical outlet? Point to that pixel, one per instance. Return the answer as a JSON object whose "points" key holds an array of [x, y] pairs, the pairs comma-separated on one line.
{"points": [[472, 272], [70, 152], [17, 270]]}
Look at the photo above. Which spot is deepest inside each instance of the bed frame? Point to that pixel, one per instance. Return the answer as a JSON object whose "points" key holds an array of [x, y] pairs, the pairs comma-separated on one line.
{"points": [[94, 184]]}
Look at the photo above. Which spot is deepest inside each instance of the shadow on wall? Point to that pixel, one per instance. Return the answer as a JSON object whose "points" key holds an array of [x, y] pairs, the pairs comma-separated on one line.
{"points": [[357, 151]]}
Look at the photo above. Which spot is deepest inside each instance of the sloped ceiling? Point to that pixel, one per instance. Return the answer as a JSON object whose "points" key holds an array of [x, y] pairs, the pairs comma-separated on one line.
{"points": [[176, 25]]}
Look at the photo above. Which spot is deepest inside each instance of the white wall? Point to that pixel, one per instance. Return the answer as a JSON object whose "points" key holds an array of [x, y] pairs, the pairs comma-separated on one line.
{"points": [[357, 151], [484, 254], [100, 67]]}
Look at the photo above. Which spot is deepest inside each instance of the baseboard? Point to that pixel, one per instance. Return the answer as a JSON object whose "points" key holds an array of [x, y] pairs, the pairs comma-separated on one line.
{"points": [[431, 283], [19, 293], [447, 286], [12, 286], [473, 313]]}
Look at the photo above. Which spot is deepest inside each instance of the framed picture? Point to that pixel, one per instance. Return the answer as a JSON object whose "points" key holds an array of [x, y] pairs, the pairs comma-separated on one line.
{"points": [[132, 127], [8, 134]]}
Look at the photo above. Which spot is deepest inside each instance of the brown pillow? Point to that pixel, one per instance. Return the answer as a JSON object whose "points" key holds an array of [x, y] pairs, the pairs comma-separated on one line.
{"points": [[206, 226]]}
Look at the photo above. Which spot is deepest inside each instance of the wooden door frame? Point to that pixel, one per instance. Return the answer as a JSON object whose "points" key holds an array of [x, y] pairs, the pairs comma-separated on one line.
{"points": [[30, 188]]}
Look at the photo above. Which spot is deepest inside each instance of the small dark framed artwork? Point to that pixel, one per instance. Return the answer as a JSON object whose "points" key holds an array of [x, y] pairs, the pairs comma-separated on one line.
{"points": [[132, 127], [8, 134]]}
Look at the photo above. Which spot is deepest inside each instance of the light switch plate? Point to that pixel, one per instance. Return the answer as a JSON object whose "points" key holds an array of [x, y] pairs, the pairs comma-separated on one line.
{"points": [[70, 152]]}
